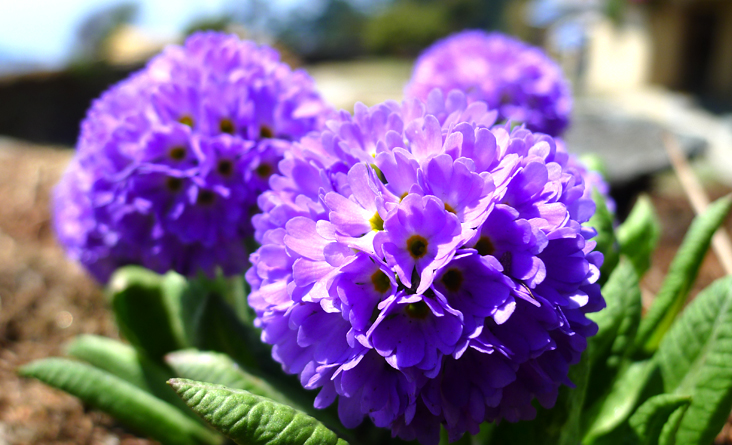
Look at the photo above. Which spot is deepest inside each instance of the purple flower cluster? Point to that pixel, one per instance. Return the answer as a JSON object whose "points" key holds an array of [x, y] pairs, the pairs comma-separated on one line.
{"points": [[516, 79], [170, 161], [426, 266], [593, 179]]}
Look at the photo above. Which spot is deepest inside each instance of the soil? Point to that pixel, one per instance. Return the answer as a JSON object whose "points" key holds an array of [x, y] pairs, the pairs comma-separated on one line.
{"points": [[47, 300]]}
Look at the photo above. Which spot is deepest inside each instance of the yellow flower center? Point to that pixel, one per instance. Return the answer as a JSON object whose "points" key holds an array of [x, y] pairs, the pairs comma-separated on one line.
{"points": [[376, 222]]}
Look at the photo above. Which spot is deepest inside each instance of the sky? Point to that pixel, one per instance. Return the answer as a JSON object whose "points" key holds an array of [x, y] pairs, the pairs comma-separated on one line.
{"points": [[42, 32]]}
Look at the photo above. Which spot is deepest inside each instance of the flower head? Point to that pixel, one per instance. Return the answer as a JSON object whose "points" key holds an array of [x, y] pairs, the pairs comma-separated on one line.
{"points": [[594, 179], [426, 267], [170, 161], [516, 79]]}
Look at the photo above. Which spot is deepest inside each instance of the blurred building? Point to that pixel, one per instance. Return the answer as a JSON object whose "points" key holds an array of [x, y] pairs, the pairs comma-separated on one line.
{"points": [[683, 45], [692, 46]]}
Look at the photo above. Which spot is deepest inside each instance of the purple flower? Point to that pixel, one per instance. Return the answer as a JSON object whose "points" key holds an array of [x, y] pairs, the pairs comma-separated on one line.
{"points": [[592, 178], [424, 266], [516, 79], [170, 161]]}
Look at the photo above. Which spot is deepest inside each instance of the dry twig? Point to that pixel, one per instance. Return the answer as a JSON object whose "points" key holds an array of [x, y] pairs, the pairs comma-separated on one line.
{"points": [[721, 243]]}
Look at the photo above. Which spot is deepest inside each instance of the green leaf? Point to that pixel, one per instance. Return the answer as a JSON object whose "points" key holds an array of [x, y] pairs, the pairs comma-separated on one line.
{"points": [[695, 359], [465, 439], [125, 362], [603, 221], [175, 287], [594, 163], [618, 324], [650, 418], [143, 311], [110, 355], [485, 435], [639, 234], [681, 275], [572, 400], [211, 324], [560, 425], [624, 395], [668, 432], [248, 419], [212, 367], [127, 403], [237, 291], [219, 369]]}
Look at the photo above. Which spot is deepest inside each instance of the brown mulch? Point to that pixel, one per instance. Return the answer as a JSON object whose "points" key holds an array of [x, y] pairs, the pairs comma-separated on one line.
{"points": [[46, 300]]}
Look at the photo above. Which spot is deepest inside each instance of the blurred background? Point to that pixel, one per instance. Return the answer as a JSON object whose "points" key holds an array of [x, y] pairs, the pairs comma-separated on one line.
{"points": [[640, 69], [646, 65]]}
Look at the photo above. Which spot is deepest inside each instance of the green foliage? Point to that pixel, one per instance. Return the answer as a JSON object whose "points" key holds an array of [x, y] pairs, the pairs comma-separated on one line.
{"points": [[639, 234], [617, 326], [406, 27], [219, 369], [160, 314], [109, 355], [335, 33], [249, 419], [603, 221], [125, 362], [594, 163], [695, 359], [681, 275], [211, 23], [610, 413], [668, 432], [618, 322], [143, 311], [211, 324], [651, 418], [129, 404]]}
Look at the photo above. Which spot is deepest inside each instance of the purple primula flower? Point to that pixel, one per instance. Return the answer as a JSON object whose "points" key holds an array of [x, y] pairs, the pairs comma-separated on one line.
{"points": [[518, 80], [425, 266], [593, 179], [420, 235], [170, 162]]}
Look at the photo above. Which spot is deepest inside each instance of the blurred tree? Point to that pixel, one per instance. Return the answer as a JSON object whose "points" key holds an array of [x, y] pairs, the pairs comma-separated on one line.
{"points": [[213, 23], [335, 33], [407, 26], [96, 29]]}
